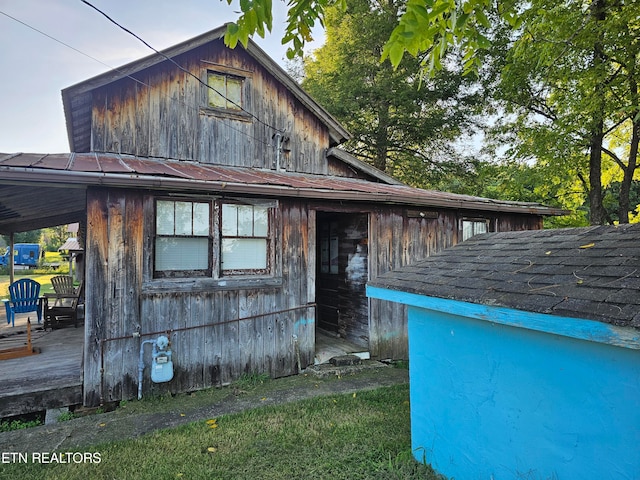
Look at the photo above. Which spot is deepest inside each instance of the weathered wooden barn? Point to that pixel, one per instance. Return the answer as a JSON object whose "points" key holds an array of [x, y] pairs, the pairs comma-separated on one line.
{"points": [[218, 209]]}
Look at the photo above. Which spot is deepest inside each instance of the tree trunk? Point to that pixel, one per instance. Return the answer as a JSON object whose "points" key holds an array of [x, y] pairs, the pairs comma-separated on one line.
{"points": [[382, 138], [596, 134], [625, 187]]}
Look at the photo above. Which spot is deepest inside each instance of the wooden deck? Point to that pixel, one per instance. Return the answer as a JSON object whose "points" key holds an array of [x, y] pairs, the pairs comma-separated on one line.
{"points": [[50, 379]]}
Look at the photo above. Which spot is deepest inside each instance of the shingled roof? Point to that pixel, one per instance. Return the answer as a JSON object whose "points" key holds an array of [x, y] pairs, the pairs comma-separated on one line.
{"points": [[591, 273]]}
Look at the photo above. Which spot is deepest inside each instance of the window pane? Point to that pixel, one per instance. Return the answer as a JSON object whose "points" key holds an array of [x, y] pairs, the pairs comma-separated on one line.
{"points": [[217, 91], [467, 230], [260, 221], [244, 253], [229, 220], [164, 218], [234, 93], [473, 227], [245, 221], [182, 253], [184, 218], [201, 219]]}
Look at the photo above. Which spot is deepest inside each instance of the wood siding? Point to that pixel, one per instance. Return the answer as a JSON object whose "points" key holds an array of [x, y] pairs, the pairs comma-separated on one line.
{"points": [[217, 332], [165, 115], [398, 238], [220, 328]]}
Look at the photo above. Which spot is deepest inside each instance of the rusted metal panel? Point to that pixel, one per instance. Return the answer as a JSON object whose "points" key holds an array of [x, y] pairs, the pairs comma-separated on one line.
{"points": [[127, 164], [86, 162]]}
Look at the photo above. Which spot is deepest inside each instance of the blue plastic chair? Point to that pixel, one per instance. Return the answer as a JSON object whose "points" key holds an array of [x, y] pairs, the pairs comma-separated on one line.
{"points": [[25, 297]]}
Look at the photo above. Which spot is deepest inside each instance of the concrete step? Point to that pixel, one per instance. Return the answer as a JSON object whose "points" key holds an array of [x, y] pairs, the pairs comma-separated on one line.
{"points": [[327, 369]]}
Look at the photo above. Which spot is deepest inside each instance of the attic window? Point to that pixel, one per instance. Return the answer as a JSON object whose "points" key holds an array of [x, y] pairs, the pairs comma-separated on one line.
{"points": [[225, 91], [471, 227]]}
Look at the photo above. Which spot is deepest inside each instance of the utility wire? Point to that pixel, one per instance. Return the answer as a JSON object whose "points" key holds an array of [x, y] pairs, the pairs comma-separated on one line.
{"points": [[114, 69], [177, 65], [56, 40]]}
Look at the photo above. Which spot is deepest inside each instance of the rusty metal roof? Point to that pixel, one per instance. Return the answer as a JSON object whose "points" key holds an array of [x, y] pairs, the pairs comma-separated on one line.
{"points": [[144, 172]]}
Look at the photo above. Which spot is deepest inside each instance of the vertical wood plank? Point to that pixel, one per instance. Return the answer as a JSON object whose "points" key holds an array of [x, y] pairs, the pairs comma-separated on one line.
{"points": [[249, 340], [230, 352], [132, 288], [96, 304], [213, 341]]}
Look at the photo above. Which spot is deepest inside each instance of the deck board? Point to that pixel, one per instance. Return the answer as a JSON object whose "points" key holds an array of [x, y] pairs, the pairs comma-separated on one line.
{"points": [[50, 379]]}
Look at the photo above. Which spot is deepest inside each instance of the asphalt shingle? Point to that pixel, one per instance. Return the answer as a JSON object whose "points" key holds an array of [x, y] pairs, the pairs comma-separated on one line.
{"points": [[591, 273]]}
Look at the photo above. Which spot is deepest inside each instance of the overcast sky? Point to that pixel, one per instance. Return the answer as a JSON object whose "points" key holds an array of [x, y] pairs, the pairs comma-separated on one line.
{"points": [[34, 68]]}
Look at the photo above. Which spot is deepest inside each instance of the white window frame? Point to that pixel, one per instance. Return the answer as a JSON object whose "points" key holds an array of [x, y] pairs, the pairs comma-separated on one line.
{"points": [[246, 238], [477, 227], [248, 250], [180, 225]]}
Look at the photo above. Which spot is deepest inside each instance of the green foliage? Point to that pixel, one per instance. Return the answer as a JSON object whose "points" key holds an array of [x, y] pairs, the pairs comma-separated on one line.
{"points": [[426, 28], [20, 422], [251, 380], [256, 17], [32, 236], [398, 124], [65, 417], [567, 87], [52, 238], [565, 74], [9, 426], [430, 28]]}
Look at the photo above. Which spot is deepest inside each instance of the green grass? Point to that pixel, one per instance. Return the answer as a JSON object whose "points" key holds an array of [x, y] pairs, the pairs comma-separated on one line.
{"points": [[40, 275], [356, 436]]}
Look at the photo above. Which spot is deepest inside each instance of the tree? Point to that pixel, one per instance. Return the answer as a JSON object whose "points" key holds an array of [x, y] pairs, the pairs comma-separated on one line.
{"points": [[568, 83], [407, 131], [583, 53], [54, 237], [425, 28], [32, 236]]}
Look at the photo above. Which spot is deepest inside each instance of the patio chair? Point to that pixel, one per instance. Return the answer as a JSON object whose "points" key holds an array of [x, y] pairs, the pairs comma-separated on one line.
{"points": [[63, 286], [64, 309], [24, 297]]}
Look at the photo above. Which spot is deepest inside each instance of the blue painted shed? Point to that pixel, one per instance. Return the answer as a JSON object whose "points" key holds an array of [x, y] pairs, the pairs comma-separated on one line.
{"points": [[524, 354]]}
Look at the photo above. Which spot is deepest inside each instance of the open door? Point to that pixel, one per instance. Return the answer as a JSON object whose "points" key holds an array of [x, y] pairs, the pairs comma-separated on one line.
{"points": [[342, 273]]}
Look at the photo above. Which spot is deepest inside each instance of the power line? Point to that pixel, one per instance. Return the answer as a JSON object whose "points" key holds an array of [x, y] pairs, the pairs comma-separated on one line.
{"points": [[195, 108], [56, 40], [177, 64]]}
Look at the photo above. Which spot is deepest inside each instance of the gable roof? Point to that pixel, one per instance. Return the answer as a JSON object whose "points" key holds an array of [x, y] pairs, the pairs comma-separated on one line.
{"points": [[77, 98], [60, 179], [591, 273]]}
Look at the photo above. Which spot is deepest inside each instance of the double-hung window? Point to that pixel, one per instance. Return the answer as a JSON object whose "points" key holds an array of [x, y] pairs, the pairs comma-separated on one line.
{"points": [[183, 238], [213, 239], [245, 238]]}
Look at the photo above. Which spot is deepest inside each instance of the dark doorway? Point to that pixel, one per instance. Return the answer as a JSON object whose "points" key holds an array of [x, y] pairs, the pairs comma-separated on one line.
{"points": [[342, 273]]}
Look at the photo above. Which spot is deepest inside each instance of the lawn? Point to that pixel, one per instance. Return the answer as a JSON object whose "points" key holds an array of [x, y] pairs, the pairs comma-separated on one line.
{"points": [[40, 275], [355, 436]]}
